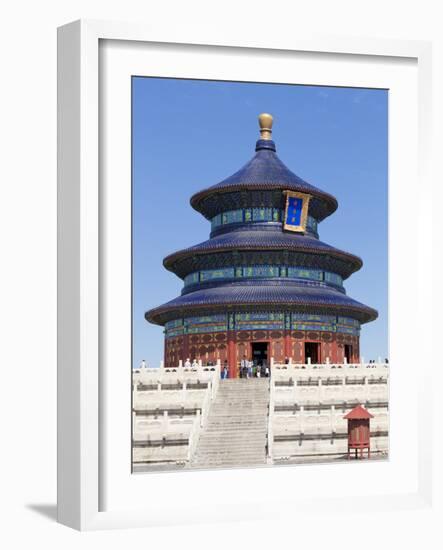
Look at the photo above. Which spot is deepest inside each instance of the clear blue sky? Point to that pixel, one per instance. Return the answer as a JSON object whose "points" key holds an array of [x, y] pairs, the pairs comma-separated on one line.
{"points": [[188, 135]]}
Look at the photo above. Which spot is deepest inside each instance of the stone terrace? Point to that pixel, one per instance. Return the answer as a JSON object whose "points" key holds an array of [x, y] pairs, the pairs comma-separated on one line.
{"points": [[191, 418]]}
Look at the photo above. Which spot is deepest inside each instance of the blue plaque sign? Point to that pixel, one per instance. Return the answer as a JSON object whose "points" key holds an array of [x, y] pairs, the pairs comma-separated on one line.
{"points": [[296, 211]]}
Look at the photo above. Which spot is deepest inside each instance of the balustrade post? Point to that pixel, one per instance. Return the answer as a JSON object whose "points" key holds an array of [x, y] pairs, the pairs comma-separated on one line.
{"points": [[367, 388], [134, 394], [134, 420], [332, 419], [270, 419]]}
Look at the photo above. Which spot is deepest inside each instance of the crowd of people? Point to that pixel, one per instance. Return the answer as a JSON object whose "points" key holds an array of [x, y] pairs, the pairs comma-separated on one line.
{"points": [[247, 368], [253, 369], [189, 365]]}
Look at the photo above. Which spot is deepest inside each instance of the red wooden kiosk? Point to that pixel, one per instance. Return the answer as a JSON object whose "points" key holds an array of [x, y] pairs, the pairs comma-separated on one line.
{"points": [[359, 433]]}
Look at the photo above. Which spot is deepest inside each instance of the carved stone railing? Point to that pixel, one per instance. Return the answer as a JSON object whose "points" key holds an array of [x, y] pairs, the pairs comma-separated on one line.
{"points": [[307, 401], [166, 428], [179, 375]]}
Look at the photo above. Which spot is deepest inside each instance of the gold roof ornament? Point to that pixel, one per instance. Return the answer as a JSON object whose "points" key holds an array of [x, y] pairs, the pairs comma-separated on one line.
{"points": [[265, 121]]}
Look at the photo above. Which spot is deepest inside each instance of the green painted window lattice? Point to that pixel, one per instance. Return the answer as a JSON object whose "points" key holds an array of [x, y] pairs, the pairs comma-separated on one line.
{"points": [[258, 271], [261, 321], [210, 274], [245, 215], [299, 273]]}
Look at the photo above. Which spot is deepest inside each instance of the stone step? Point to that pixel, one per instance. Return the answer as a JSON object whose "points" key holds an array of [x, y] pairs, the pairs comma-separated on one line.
{"points": [[244, 407], [234, 419], [245, 399], [228, 463], [213, 455], [245, 420], [227, 428], [246, 389], [234, 400], [243, 391], [230, 452], [232, 407], [235, 433], [227, 436], [234, 461], [230, 436], [224, 444]]}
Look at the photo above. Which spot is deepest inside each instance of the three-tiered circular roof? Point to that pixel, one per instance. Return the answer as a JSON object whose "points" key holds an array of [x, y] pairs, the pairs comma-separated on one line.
{"points": [[261, 184]]}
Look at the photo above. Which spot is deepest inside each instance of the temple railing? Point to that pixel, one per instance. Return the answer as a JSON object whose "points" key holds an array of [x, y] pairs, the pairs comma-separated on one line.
{"points": [[154, 429], [299, 370], [307, 403], [270, 436], [179, 375]]}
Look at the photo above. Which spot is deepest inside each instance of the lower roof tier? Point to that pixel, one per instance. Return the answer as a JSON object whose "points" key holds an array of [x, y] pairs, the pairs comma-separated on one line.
{"points": [[320, 254], [238, 297]]}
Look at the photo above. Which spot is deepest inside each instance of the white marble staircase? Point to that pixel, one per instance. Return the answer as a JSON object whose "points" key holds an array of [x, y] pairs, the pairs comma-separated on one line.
{"points": [[236, 428]]}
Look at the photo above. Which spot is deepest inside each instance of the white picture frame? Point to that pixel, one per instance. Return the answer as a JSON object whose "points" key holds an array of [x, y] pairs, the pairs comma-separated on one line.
{"points": [[85, 390]]}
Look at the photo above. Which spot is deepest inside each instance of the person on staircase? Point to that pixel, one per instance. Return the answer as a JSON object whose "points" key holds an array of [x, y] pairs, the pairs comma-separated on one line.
{"points": [[243, 367], [250, 365], [225, 372]]}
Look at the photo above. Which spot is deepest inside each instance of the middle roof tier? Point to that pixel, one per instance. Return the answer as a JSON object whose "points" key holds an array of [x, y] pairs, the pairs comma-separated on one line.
{"points": [[237, 248]]}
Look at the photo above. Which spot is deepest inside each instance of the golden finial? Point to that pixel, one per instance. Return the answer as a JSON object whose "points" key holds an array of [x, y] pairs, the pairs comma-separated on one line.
{"points": [[265, 122]]}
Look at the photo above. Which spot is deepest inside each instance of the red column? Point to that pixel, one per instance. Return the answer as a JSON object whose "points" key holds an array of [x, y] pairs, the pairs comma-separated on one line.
{"points": [[165, 354], [287, 351], [298, 352], [185, 348], [288, 346], [232, 355]]}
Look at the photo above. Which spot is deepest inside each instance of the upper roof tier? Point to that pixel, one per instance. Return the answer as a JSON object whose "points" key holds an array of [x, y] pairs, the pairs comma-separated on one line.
{"points": [[264, 172]]}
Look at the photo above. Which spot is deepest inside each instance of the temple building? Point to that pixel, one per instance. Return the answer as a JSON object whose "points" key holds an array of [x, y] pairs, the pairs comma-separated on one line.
{"points": [[263, 285]]}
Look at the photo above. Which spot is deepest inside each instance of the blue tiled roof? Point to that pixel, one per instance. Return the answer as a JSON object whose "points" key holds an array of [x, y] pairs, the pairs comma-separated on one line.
{"points": [[283, 297], [264, 240], [264, 171]]}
